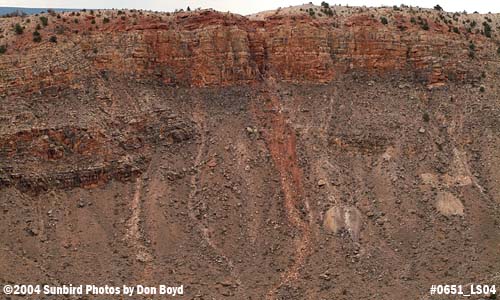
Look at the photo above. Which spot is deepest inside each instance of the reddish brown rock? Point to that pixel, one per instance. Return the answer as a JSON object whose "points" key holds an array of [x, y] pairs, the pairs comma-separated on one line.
{"points": [[210, 48]]}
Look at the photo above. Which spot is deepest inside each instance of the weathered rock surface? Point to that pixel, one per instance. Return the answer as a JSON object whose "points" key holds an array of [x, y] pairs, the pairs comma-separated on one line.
{"points": [[209, 48], [278, 156], [338, 219], [449, 205]]}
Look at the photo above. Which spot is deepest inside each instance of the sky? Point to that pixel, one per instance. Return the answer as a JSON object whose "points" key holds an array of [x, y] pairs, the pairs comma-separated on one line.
{"points": [[249, 7]]}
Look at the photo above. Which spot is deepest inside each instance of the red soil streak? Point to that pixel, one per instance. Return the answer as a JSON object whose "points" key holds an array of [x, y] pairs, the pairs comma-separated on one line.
{"points": [[281, 142]]}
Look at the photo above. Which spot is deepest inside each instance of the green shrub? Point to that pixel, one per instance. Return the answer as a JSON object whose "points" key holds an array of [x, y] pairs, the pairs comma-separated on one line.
{"points": [[413, 21], [18, 28], [426, 117], [53, 39], [482, 89], [498, 50], [438, 7], [3, 49], [384, 20], [487, 29], [37, 38], [425, 26], [472, 49], [44, 21], [472, 46], [455, 30], [105, 20]]}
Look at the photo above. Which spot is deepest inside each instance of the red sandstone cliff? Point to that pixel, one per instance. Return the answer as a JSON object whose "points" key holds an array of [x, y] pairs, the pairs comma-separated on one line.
{"points": [[210, 48]]}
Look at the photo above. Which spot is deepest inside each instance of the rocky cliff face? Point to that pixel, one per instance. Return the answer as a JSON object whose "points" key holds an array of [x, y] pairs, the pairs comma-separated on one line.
{"points": [[276, 157], [209, 48]]}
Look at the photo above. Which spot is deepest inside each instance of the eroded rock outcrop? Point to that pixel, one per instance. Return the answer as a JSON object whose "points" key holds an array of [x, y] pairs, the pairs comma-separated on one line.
{"points": [[209, 48], [41, 159]]}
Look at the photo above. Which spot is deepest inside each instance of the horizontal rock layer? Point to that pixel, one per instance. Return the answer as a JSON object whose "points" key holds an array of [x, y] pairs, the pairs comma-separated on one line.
{"points": [[209, 48]]}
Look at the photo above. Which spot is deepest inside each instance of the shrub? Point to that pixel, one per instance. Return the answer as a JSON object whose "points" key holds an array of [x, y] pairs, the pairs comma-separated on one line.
{"points": [[325, 4], [3, 49], [105, 20], [44, 21], [472, 49], [425, 26], [498, 50], [384, 20], [93, 21], [472, 46], [487, 29], [18, 29], [438, 7], [413, 21], [482, 89], [473, 24], [455, 30], [53, 39], [426, 117], [38, 27], [37, 38]]}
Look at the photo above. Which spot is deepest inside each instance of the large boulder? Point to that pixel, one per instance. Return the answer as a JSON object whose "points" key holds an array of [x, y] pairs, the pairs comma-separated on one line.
{"points": [[343, 218], [449, 205]]}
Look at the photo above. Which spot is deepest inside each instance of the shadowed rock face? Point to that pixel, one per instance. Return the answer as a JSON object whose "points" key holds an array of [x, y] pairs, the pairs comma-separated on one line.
{"points": [[283, 158]]}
